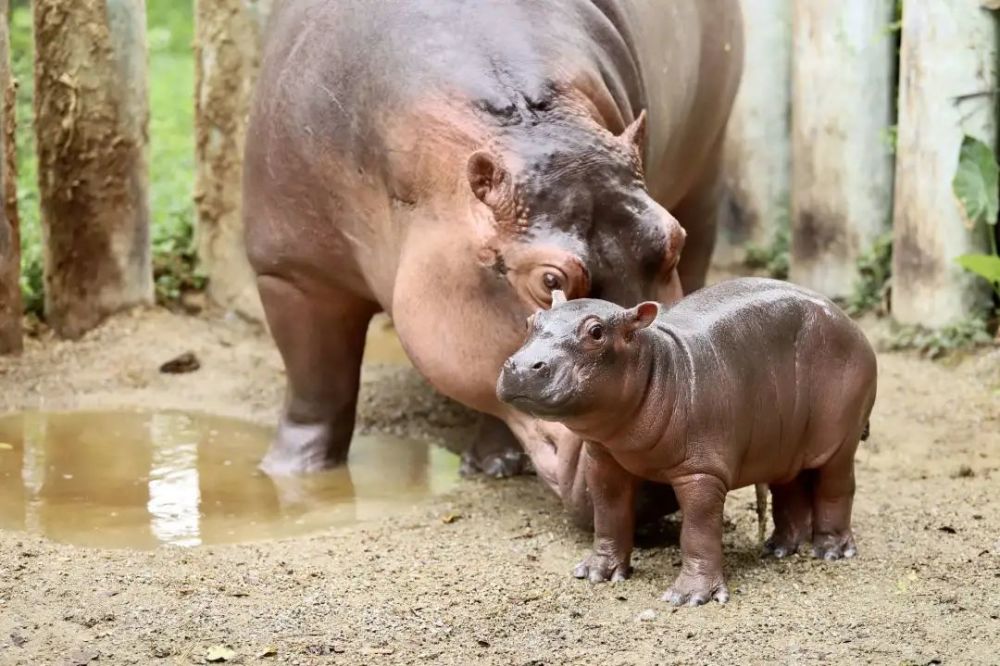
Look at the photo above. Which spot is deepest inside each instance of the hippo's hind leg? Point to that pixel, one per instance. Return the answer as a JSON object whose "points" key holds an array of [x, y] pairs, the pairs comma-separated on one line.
{"points": [[495, 451], [321, 336], [833, 499], [791, 507]]}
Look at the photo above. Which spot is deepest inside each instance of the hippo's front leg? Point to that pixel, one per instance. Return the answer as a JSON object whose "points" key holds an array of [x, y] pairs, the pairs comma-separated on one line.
{"points": [[321, 336], [701, 497], [612, 490]]}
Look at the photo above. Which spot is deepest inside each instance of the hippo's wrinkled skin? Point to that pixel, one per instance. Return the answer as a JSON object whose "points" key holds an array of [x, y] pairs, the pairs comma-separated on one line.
{"points": [[451, 162], [748, 381]]}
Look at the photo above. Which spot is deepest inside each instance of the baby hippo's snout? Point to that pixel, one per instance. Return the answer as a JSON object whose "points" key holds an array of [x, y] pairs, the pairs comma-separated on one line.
{"points": [[535, 381], [523, 377]]}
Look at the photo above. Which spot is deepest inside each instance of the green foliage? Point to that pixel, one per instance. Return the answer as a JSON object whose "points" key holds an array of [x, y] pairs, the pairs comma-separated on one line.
{"points": [[963, 335], [22, 49], [897, 18], [977, 183], [171, 90], [171, 100], [977, 189], [773, 257], [890, 137], [986, 266], [874, 272]]}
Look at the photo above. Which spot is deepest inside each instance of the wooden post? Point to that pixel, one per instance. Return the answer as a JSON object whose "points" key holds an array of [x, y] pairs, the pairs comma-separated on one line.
{"points": [[949, 50], [758, 145], [227, 44], [91, 120], [10, 238], [842, 108]]}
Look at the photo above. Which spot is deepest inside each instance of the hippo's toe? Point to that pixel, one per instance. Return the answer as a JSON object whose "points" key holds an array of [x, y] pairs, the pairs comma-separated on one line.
{"points": [[782, 545], [695, 591], [832, 547], [599, 568]]}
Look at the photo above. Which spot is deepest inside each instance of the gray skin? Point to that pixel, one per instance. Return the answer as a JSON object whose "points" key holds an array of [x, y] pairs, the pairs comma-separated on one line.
{"points": [[451, 162], [748, 381]]}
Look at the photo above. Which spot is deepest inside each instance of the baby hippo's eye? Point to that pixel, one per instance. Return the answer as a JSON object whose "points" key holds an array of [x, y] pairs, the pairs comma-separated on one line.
{"points": [[552, 281], [596, 332]]}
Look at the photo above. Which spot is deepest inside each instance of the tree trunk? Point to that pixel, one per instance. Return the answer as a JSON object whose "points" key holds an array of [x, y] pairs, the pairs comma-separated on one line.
{"points": [[92, 117], [758, 148], [10, 238], [949, 49], [842, 167], [228, 43]]}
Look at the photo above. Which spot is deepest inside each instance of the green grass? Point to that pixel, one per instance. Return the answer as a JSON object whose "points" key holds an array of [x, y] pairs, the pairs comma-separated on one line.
{"points": [[773, 257], [874, 273], [171, 95], [960, 336]]}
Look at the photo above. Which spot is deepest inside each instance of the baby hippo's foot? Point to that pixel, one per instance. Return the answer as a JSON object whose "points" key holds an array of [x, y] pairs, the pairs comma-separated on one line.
{"points": [[783, 544], [695, 590], [601, 567], [834, 546]]}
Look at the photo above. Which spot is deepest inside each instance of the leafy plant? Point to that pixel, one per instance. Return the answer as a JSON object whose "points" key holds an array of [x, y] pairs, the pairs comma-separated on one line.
{"points": [[773, 257], [965, 334], [977, 188], [874, 273]]}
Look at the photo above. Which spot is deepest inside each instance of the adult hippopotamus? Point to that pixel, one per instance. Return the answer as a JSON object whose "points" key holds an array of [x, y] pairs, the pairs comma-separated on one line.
{"points": [[453, 162]]}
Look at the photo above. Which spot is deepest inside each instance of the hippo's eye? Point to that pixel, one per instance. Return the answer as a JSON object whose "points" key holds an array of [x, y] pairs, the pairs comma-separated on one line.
{"points": [[552, 281], [596, 332]]}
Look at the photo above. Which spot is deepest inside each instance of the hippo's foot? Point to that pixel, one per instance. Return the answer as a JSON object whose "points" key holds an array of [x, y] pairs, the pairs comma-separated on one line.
{"points": [[496, 465], [834, 546], [495, 452], [695, 590], [300, 449], [601, 568], [782, 544]]}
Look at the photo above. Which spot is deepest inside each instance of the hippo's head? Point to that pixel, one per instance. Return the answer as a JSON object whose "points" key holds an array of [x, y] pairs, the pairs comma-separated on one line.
{"points": [[570, 211], [576, 360]]}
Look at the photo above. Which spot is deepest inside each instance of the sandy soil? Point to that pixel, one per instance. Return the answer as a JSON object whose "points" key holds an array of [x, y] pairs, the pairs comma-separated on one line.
{"points": [[493, 586]]}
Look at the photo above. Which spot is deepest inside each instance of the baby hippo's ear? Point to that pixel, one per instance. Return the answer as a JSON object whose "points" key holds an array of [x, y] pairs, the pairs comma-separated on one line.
{"points": [[558, 297], [641, 316]]}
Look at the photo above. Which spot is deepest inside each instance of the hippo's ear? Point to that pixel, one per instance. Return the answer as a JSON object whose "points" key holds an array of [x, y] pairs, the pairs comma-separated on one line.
{"points": [[641, 316], [634, 135], [558, 297], [490, 182]]}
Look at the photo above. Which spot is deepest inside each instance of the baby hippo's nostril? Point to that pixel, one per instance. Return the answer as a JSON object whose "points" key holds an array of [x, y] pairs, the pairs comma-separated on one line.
{"points": [[539, 366]]}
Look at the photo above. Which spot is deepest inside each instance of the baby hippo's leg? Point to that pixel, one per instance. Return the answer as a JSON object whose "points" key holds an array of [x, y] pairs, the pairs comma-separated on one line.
{"points": [[612, 490], [792, 510], [833, 498], [701, 497]]}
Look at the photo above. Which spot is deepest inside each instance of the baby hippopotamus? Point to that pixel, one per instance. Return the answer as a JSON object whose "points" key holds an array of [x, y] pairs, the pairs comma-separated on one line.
{"points": [[749, 381]]}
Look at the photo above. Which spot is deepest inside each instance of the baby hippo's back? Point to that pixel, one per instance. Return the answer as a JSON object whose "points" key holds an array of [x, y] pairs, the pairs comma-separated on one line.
{"points": [[779, 378]]}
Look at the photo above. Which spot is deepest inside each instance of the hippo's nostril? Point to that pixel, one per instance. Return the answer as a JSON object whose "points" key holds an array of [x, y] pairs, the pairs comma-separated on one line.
{"points": [[540, 365]]}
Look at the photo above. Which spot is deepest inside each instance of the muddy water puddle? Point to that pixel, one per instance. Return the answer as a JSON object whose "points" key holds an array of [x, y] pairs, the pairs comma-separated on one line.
{"points": [[141, 480]]}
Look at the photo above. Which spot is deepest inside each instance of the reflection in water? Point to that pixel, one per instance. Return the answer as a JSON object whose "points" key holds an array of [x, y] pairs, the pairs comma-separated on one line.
{"points": [[144, 479]]}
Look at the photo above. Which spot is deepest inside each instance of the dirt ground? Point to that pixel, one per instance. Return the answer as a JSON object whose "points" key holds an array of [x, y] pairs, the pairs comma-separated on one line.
{"points": [[494, 585]]}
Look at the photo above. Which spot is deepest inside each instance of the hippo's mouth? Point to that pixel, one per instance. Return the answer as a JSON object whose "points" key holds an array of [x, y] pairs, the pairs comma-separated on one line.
{"points": [[550, 408]]}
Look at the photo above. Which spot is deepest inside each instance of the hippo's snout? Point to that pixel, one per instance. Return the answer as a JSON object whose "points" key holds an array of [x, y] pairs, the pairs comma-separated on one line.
{"points": [[522, 379], [533, 384]]}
